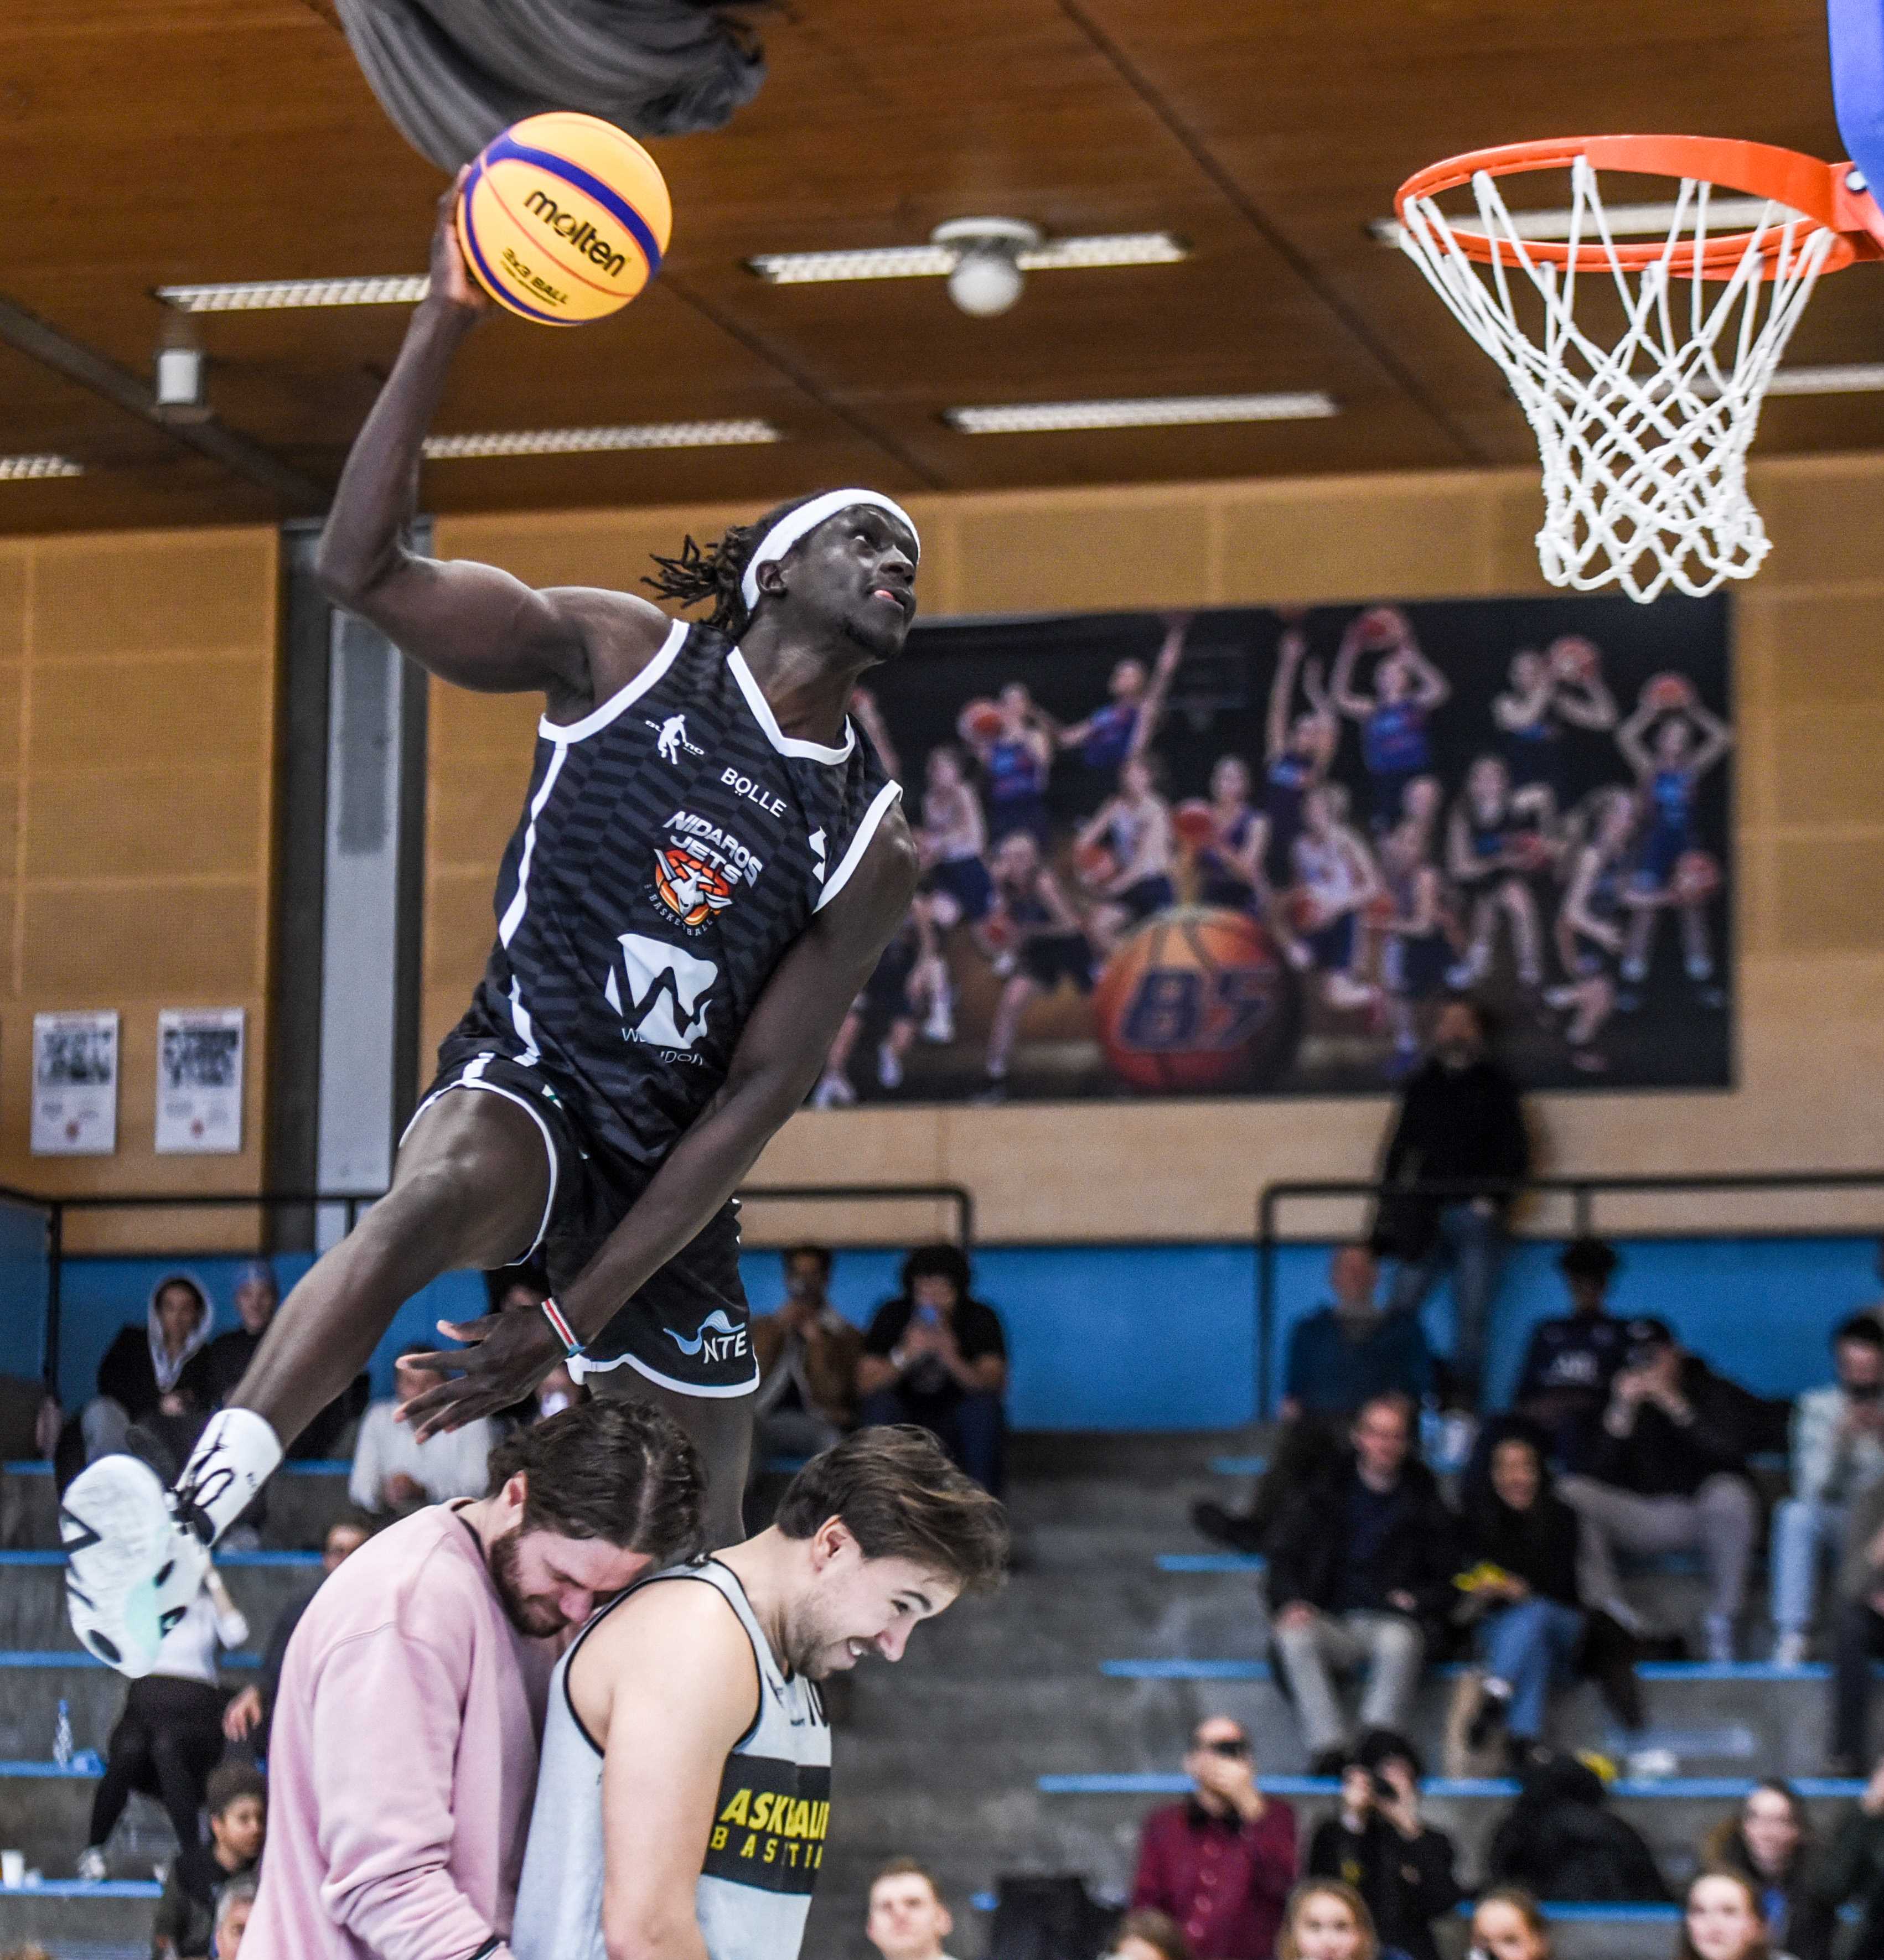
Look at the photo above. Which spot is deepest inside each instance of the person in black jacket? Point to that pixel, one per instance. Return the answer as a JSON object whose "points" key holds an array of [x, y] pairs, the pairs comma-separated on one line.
{"points": [[1559, 1840], [1520, 1540], [1460, 1124], [1378, 1843], [1563, 1386], [1669, 1475], [155, 1373], [1360, 1574]]}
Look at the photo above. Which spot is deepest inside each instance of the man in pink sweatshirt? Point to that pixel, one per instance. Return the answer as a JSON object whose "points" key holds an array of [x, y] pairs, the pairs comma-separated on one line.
{"points": [[403, 1755]]}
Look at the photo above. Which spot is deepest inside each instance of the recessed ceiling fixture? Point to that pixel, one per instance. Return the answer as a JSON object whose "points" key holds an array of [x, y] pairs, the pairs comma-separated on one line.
{"points": [[1152, 411], [936, 261], [283, 295], [1624, 220], [30, 469], [582, 441]]}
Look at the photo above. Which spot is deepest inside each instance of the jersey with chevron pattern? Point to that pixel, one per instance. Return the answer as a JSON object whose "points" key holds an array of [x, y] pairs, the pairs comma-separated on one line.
{"points": [[674, 843]]}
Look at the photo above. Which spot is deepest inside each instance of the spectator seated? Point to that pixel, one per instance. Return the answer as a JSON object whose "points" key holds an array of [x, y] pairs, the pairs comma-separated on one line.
{"points": [[905, 1918], [1837, 1453], [1220, 1863], [1377, 1842], [1768, 1840], [1339, 1357], [808, 1353], [1561, 1841], [936, 1357], [1360, 1575], [1563, 1386], [1670, 1474], [394, 1473], [156, 1373], [237, 1800]]}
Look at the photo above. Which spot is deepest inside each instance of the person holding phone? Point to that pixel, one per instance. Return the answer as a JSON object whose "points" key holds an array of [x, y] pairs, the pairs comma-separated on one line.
{"points": [[1220, 1863], [1377, 1842], [936, 1357]]}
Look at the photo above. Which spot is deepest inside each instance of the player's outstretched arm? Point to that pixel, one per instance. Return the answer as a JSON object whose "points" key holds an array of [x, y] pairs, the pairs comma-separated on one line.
{"points": [[472, 624], [778, 1060]]}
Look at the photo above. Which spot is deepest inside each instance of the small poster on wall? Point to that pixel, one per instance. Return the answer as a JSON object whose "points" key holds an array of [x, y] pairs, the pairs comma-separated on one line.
{"points": [[199, 1079], [75, 1084]]}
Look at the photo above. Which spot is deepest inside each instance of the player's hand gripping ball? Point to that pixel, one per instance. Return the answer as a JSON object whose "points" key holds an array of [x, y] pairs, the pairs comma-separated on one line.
{"points": [[1572, 657], [1697, 877], [980, 721], [1195, 823], [564, 218]]}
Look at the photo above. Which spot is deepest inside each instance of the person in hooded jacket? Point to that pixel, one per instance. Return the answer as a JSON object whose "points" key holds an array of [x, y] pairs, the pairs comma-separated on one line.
{"points": [[156, 1373], [1560, 1840]]}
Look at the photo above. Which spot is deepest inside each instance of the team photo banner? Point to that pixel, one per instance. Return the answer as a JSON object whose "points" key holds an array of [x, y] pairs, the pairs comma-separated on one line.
{"points": [[1248, 851]]}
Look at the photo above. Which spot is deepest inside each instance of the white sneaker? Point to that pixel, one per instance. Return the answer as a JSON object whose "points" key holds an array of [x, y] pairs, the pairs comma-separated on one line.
{"points": [[91, 1867], [889, 1067], [132, 1569], [939, 1029], [1789, 1650]]}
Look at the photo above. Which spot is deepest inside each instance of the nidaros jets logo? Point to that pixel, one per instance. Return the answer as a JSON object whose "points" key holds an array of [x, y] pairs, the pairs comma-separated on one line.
{"points": [[661, 993], [699, 869]]}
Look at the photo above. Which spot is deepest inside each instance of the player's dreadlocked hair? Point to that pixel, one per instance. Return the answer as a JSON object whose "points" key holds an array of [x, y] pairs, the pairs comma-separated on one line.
{"points": [[715, 572]]}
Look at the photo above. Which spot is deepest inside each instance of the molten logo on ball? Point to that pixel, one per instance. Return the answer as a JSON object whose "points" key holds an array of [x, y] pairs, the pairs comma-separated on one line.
{"points": [[579, 232], [1196, 999]]}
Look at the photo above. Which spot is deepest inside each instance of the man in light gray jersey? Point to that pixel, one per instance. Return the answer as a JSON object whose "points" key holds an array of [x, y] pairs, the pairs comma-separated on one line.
{"points": [[682, 1803]]}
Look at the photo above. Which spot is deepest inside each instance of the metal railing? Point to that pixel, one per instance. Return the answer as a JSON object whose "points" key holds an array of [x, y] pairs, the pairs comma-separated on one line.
{"points": [[1582, 1190], [55, 1209]]}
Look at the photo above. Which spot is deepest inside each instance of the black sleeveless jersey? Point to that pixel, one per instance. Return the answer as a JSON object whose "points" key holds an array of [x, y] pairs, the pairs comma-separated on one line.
{"points": [[675, 843]]}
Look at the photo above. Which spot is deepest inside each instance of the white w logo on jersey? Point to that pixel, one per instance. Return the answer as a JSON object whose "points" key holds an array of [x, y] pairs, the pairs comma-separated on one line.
{"points": [[667, 988]]}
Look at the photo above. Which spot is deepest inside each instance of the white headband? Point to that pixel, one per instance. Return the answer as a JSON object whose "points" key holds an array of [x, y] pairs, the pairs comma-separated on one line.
{"points": [[794, 524]]}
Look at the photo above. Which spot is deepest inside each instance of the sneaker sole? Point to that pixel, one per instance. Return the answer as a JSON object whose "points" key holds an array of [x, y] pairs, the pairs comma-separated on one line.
{"points": [[123, 1553]]}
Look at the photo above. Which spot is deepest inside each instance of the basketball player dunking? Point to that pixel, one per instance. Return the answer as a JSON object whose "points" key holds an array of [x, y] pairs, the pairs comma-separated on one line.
{"points": [[709, 864]]}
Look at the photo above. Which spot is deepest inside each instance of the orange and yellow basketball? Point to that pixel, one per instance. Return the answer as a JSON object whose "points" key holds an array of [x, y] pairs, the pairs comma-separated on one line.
{"points": [[564, 218], [1197, 999]]}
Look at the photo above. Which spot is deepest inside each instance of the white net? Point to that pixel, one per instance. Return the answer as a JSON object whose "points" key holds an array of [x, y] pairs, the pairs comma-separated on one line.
{"points": [[1644, 439]]}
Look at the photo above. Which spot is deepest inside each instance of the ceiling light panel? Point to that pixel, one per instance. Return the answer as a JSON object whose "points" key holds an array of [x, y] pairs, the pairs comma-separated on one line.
{"points": [[586, 441], [30, 469], [1155, 412], [285, 295], [937, 262]]}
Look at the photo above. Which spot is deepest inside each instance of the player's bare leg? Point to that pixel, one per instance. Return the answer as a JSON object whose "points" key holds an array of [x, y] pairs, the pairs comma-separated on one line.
{"points": [[470, 1190], [720, 1428]]}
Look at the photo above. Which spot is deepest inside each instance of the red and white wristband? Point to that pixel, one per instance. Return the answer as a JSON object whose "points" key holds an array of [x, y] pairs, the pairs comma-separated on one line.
{"points": [[553, 1314]]}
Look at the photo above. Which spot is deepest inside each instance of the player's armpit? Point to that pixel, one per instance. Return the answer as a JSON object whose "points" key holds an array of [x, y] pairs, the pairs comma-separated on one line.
{"points": [[671, 1687]]}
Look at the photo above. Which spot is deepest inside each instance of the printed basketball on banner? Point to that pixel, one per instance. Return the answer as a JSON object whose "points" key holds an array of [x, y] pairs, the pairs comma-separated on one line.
{"points": [[1197, 999]]}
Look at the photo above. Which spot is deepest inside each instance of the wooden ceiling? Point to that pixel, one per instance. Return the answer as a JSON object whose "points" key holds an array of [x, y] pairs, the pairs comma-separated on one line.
{"points": [[150, 142]]}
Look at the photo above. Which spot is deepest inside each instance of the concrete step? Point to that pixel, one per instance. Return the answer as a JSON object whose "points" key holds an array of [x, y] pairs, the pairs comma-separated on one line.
{"points": [[33, 1593], [81, 1923], [303, 1500], [32, 1685]]}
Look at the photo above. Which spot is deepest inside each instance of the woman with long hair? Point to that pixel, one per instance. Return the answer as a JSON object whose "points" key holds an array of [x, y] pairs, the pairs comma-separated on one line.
{"points": [[1769, 1841], [1326, 1920], [1508, 1924], [1723, 1919]]}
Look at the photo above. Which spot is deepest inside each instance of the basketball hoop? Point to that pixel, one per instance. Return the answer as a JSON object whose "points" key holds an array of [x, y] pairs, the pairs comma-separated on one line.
{"points": [[1644, 440]]}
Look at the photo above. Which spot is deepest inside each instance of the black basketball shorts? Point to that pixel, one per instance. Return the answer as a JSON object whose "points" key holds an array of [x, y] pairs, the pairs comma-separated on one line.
{"points": [[687, 1328]]}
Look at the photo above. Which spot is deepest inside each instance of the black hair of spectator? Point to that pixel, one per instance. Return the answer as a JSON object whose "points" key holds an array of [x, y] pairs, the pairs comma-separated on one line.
{"points": [[937, 1262], [498, 1281], [1385, 1745], [821, 1253], [230, 1783], [1589, 1258], [1490, 1022], [897, 1494], [618, 1471], [1864, 1328]]}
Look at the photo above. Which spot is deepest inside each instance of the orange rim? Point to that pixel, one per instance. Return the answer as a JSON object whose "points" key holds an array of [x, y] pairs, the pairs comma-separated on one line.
{"points": [[1818, 191]]}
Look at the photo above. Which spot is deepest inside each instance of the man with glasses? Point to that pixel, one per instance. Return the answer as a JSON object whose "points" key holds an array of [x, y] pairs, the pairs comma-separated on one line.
{"points": [[1221, 1863]]}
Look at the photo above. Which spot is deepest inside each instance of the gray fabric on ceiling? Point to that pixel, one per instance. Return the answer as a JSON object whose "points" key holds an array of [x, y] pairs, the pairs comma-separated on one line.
{"points": [[452, 73]]}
